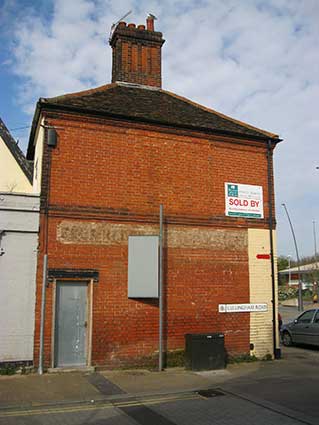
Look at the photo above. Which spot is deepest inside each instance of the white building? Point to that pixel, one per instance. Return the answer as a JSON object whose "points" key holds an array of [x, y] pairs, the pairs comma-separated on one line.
{"points": [[19, 225], [309, 273]]}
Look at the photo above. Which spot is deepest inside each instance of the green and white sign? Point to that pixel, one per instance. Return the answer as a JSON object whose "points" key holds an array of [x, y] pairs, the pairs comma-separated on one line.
{"points": [[243, 200]]}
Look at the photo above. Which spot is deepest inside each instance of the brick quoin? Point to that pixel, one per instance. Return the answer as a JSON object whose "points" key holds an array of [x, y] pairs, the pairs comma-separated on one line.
{"points": [[117, 172]]}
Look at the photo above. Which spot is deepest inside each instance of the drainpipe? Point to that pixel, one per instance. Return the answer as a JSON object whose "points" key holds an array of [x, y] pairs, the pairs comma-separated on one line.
{"points": [[277, 353], [50, 138], [2, 232], [160, 357], [43, 302]]}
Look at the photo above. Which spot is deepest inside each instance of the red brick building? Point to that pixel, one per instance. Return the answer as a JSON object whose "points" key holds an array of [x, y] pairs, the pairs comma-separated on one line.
{"points": [[122, 150]]}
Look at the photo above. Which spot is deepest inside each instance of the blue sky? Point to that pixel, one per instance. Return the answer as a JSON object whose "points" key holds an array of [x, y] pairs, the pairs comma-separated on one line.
{"points": [[254, 60]]}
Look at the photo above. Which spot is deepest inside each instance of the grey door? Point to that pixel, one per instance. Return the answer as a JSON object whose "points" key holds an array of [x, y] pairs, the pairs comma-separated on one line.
{"points": [[70, 324]]}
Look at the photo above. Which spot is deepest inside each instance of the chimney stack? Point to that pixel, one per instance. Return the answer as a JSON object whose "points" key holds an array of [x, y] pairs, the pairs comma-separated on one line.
{"points": [[137, 54], [150, 22]]}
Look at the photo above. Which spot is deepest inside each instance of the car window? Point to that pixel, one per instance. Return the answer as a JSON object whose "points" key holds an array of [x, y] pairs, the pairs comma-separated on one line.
{"points": [[316, 320], [306, 317]]}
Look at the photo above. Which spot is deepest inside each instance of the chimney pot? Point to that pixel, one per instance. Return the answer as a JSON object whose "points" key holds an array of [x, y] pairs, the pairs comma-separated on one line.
{"points": [[150, 23], [131, 25], [141, 27]]}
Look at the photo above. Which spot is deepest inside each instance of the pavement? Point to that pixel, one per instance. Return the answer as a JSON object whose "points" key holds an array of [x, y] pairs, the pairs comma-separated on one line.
{"points": [[172, 397], [293, 302], [81, 387]]}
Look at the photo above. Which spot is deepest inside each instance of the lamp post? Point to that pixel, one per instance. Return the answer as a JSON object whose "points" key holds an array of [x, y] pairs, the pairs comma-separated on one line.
{"points": [[300, 303], [289, 265], [314, 238], [315, 274]]}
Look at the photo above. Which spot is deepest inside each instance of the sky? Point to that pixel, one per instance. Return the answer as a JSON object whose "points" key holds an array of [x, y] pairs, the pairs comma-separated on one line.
{"points": [[254, 60]]}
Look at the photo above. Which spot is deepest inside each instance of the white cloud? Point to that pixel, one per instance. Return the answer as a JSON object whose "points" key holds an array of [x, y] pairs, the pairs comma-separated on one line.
{"points": [[255, 60]]}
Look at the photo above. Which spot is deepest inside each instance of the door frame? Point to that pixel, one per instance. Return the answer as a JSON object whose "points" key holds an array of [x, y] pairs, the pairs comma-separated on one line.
{"points": [[89, 319]]}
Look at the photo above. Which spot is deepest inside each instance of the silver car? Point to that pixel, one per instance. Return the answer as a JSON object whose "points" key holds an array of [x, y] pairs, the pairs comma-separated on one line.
{"points": [[303, 330]]}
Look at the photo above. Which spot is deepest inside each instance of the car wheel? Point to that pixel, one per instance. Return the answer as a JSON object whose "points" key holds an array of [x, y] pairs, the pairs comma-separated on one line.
{"points": [[286, 339]]}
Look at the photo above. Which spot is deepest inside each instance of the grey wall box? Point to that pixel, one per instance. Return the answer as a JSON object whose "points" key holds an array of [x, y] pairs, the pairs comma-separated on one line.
{"points": [[143, 263], [52, 137], [205, 351]]}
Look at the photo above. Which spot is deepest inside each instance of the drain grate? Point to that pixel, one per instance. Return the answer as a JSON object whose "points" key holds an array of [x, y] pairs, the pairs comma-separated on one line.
{"points": [[210, 393]]}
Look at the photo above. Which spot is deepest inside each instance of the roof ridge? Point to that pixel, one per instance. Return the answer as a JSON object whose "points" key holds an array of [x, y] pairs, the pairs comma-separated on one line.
{"points": [[79, 93], [137, 86], [210, 110]]}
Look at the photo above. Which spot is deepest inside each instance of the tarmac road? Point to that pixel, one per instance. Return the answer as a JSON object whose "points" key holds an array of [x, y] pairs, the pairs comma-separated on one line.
{"points": [[291, 383], [288, 313], [180, 409]]}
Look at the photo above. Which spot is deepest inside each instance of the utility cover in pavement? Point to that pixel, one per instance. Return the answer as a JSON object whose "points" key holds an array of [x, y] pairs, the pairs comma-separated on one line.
{"points": [[210, 393], [105, 386]]}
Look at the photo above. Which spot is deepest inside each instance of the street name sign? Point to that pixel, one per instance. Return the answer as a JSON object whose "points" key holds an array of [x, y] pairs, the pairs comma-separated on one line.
{"points": [[242, 308]]}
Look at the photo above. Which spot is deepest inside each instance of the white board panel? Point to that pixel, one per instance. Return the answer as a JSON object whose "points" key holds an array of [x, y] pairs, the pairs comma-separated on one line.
{"points": [[143, 253]]}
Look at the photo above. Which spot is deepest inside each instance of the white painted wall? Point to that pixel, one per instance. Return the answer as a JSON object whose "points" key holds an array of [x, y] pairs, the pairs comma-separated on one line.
{"points": [[12, 178], [38, 155], [260, 282], [19, 219]]}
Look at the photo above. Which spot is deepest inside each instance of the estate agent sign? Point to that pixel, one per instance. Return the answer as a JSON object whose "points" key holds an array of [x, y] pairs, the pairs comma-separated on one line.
{"points": [[243, 200]]}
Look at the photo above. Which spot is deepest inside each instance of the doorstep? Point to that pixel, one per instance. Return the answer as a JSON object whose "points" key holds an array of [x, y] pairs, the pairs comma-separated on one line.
{"points": [[71, 369]]}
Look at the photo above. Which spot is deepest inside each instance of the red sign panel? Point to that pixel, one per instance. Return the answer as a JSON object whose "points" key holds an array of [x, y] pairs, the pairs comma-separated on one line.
{"points": [[263, 256]]}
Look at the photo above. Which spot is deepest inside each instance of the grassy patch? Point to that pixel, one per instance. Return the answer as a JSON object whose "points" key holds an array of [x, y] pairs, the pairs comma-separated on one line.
{"points": [[267, 357], [175, 358], [242, 358], [7, 369]]}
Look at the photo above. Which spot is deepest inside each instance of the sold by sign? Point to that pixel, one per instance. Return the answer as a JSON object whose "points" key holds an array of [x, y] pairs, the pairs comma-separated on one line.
{"points": [[243, 200]]}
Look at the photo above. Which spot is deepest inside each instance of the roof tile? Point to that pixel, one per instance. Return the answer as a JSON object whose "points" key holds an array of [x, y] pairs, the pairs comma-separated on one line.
{"points": [[152, 104]]}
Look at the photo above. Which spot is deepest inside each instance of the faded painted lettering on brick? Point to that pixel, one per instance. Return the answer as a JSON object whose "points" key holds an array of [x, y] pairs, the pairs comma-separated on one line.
{"points": [[92, 233]]}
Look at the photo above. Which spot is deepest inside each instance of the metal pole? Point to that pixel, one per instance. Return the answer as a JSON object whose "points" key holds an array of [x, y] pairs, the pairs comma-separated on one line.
{"points": [[314, 287], [44, 284], [314, 238], [160, 357], [271, 242], [289, 265], [300, 303]]}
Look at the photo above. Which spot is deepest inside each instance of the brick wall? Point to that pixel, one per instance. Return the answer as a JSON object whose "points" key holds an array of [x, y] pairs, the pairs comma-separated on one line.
{"points": [[111, 177]]}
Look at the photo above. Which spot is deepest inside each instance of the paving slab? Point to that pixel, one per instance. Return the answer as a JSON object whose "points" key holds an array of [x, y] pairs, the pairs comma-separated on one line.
{"points": [[80, 387], [168, 381], [47, 388]]}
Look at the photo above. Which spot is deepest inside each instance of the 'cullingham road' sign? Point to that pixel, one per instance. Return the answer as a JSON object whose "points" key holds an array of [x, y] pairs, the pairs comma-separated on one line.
{"points": [[242, 308]]}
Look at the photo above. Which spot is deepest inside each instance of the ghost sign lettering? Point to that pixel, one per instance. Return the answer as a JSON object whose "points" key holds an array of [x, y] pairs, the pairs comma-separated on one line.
{"points": [[243, 200]]}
